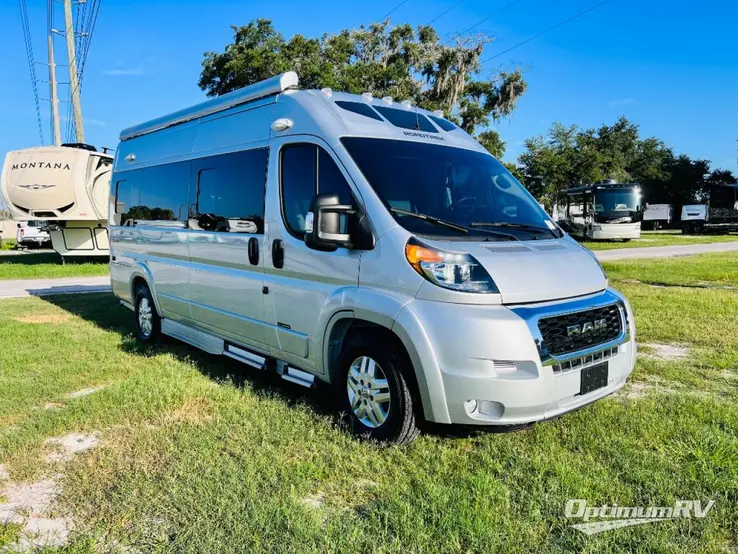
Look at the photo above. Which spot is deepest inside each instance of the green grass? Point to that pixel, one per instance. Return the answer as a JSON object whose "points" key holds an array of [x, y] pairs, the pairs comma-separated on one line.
{"points": [[202, 454], [48, 265], [661, 238]]}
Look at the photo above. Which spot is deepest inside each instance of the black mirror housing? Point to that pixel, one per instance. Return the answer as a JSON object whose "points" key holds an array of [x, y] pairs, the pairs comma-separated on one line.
{"points": [[323, 229]]}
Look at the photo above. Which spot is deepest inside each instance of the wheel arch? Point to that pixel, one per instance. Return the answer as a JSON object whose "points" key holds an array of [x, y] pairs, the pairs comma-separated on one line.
{"points": [[428, 389], [142, 275]]}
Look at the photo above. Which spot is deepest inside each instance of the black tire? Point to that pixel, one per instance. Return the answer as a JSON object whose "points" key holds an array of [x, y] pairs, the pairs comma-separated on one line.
{"points": [[144, 335], [626, 240], [399, 427]]}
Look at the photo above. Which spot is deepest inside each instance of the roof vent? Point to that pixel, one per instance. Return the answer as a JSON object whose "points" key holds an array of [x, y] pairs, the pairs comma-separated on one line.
{"points": [[406, 103], [439, 113], [367, 96], [327, 91], [387, 100]]}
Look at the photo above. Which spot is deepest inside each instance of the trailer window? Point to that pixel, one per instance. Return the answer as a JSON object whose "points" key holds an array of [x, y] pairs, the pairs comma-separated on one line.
{"points": [[229, 192]]}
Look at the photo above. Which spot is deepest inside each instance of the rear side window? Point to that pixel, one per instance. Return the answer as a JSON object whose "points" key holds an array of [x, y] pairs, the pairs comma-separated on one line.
{"points": [[228, 193], [407, 119], [359, 108], [306, 170], [444, 124], [153, 194]]}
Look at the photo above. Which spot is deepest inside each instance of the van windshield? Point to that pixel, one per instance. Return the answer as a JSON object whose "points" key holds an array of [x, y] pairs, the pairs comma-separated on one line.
{"points": [[470, 191]]}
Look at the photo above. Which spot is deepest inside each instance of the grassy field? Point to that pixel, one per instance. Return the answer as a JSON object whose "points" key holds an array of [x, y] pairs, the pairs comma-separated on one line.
{"points": [[201, 454], [48, 265], [661, 238]]}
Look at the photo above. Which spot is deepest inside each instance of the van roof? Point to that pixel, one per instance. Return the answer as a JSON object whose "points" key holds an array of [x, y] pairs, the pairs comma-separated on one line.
{"points": [[358, 114]]}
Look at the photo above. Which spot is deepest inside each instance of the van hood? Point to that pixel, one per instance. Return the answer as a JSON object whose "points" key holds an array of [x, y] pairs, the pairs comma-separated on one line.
{"points": [[538, 270]]}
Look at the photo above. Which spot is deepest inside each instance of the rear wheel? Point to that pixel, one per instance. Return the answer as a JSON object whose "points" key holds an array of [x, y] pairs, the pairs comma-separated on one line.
{"points": [[375, 390], [148, 322]]}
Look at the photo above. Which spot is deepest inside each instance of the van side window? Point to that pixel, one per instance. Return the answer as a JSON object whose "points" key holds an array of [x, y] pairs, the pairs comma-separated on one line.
{"points": [[127, 197], [153, 194], [306, 170], [163, 193], [229, 192]]}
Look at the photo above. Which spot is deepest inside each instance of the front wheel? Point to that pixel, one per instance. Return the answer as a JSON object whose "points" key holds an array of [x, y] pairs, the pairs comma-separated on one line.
{"points": [[376, 392], [148, 321]]}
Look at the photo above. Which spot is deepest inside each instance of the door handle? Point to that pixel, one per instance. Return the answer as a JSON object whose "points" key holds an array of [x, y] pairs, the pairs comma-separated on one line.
{"points": [[278, 253], [253, 251]]}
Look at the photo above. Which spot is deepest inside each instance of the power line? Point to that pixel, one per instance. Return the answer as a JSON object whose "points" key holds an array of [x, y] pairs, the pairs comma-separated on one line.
{"points": [[439, 16], [397, 7], [560, 24], [31, 62], [498, 12]]}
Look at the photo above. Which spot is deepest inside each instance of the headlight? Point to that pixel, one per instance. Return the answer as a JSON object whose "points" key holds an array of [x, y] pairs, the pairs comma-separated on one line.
{"points": [[450, 270]]}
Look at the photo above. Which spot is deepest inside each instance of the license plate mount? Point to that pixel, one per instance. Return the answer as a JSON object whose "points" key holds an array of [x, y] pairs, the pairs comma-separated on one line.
{"points": [[594, 378]]}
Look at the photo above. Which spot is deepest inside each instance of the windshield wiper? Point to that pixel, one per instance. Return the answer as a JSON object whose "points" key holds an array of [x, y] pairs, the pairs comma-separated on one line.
{"points": [[431, 219], [512, 225], [450, 225]]}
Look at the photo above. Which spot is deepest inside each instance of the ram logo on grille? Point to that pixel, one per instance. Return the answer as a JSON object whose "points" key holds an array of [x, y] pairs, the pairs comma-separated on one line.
{"points": [[586, 327]]}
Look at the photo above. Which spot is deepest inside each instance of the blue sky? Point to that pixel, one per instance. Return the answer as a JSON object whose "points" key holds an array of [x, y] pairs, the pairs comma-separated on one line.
{"points": [[669, 65]]}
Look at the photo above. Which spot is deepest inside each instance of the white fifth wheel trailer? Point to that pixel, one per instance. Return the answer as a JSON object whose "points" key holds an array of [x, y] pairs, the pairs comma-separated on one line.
{"points": [[66, 187]]}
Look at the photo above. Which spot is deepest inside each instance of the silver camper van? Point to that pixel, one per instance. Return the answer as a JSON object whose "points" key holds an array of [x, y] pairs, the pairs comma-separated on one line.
{"points": [[366, 244]]}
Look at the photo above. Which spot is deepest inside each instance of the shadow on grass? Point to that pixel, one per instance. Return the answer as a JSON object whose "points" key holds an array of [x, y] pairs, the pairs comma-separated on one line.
{"points": [[105, 311], [35, 258]]}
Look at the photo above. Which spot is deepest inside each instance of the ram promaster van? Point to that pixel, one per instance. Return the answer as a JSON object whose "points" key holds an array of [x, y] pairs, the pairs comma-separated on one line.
{"points": [[366, 244]]}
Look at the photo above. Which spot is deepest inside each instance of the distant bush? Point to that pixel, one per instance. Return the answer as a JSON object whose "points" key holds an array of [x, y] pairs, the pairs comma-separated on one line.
{"points": [[8, 244]]}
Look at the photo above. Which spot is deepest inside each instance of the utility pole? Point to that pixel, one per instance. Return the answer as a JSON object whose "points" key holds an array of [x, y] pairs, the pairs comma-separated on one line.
{"points": [[54, 96], [73, 78]]}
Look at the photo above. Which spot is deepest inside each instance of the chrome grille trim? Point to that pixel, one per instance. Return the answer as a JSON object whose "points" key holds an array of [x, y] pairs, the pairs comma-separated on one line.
{"points": [[585, 361]]}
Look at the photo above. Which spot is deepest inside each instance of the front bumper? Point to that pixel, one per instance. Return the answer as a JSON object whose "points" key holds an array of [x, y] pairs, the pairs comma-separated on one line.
{"points": [[613, 231], [491, 371]]}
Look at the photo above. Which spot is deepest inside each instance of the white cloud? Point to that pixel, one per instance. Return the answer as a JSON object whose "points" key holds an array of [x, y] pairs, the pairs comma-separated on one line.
{"points": [[621, 102], [124, 71]]}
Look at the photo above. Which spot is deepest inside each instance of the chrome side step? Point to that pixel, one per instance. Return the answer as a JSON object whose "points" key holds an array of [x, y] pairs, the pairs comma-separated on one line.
{"points": [[245, 356], [213, 345], [197, 338], [297, 376]]}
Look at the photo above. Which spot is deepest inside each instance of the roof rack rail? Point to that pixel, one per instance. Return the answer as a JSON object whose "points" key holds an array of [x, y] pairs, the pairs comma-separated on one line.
{"points": [[262, 89]]}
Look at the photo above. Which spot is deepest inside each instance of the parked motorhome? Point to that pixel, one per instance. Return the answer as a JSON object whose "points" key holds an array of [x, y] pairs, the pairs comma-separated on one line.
{"points": [[31, 234], [718, 214], [67, 188], [367, 244], [657, 216], [603, 211]]}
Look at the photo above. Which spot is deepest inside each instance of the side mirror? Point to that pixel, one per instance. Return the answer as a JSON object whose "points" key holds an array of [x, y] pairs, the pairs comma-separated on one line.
{"points": [[326, 223]]}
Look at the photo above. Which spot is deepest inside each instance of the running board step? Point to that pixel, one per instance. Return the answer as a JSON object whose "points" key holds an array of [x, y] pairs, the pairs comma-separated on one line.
{"points": [[299, 377], [245, 356], [195, 337]]}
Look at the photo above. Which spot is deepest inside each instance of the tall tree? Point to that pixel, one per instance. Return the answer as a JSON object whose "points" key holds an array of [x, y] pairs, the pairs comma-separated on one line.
{"points": [[386, 60]]}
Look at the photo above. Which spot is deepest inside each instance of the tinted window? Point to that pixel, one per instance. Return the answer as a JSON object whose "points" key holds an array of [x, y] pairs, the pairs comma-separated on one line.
{"points": [[407, 119], [299, 172], [306, 171], [444, 124], [158, 193], [127, 198], [330, 178], [359, 108], [163, 192], [228, 192]]}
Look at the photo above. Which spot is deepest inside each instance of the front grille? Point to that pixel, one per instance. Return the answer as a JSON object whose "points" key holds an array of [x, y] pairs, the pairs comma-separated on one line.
{"points": [[586, 361], [557, 338]]}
